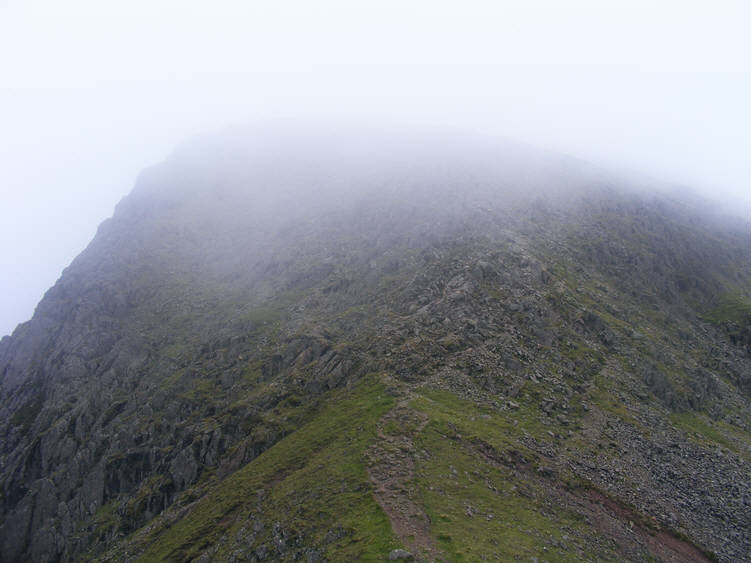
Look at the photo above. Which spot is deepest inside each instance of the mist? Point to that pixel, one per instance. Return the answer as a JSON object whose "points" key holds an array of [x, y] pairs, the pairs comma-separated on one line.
{"points": [[91, 94]]}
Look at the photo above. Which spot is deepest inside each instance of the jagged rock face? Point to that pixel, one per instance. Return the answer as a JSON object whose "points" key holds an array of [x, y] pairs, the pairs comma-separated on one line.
{"points": [[239, 280]]}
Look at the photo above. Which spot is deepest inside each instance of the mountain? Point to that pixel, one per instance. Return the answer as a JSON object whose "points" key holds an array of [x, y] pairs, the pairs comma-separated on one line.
{"points": [[306, 342]]}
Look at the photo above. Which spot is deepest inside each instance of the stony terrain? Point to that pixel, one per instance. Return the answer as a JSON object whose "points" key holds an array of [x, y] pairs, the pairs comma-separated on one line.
{"points": [[312, 347]]}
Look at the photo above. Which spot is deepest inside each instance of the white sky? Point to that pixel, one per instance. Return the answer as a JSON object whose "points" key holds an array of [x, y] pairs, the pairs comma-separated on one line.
{"points": [[92, 91]]}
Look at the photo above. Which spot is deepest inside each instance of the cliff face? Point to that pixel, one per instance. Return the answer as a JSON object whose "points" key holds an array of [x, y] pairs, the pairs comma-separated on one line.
{"points": [[313, 346]]}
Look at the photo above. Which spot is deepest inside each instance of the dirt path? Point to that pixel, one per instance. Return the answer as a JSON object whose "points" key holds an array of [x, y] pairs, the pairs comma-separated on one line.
{"points": [[624, 526], [391, 468]]}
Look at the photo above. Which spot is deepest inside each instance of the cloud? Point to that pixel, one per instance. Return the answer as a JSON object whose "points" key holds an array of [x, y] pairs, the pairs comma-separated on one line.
{"points": [[92, 92]]}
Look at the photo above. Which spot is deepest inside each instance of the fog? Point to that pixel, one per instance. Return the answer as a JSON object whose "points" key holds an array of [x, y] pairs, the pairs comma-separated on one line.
{"points": [[92, 92]]}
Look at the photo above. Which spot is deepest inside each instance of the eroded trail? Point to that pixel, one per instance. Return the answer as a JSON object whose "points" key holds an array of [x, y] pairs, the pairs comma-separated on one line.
{"points": [[391, 469], [625, 527]]}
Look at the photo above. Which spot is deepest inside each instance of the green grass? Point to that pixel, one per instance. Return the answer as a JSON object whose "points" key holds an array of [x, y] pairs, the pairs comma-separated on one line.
{"points": [[711, 433], [264, 314], [310, 482], [203, 389], [500, 429], [481, 510], [730, 308], [314, 481], [604, 396], [25, 416], [576, 351]]}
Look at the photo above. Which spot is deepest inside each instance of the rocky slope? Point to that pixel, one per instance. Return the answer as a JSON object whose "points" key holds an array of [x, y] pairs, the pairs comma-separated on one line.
{"points": [[307, 344]]}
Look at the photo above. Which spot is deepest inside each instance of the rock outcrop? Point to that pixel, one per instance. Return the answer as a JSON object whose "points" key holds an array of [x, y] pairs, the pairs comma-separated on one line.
{"points": [[243, 282]]}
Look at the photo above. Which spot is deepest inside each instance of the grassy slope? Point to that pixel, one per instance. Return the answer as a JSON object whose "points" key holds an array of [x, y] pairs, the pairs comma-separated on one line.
{"points": [[311, 482], [314, 481], [730, 308], [481, 510]]}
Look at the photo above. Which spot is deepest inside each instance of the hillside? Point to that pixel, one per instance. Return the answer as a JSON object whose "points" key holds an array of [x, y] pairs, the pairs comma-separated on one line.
{"points": [[326, 345]]}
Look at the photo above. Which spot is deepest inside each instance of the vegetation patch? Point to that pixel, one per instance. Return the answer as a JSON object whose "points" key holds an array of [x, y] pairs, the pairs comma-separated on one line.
{"points": [[481, 509], [730, 308], [604, 396], [25, 416], [706, 432], [310, 489]]}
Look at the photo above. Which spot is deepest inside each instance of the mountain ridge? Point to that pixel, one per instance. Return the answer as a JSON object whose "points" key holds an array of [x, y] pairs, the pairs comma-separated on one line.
{"points": [[554, 329]]}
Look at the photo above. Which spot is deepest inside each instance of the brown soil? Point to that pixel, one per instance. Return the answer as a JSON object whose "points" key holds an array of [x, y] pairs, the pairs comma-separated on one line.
{"points": [[624, 526], [391, 469]]}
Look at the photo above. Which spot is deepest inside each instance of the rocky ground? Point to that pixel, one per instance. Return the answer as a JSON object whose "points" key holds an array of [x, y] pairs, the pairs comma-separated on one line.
{"points": [[564, 373]]}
